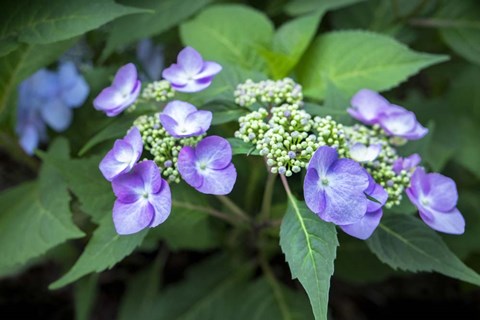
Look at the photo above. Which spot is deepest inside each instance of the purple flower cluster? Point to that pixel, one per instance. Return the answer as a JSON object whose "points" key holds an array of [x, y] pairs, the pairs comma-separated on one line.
{"points": [[143, 197], [343, 192], [47, 98], [371, 108]]}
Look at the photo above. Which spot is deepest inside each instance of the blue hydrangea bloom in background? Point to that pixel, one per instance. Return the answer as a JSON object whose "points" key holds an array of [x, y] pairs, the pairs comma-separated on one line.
{"points": [[151, 58], [47, 98]]}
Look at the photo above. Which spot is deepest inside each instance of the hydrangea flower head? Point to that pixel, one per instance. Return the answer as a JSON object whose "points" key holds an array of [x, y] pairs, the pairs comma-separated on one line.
{"points": [[364, 228], [123, 156], [334, 188], [151, 57], [362, 153], [181, 119], [436, 197], [121, 94], [191, 73], [143, 199], [46, 98], [408, 164], [208, 166]]}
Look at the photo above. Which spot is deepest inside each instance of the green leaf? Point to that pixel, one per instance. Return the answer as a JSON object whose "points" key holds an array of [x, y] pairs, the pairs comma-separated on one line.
{"points": [[224, 111], [22, 62], [299, 7], [165, 15], [85, 293], [459, 23], [309, 245], [188, 226], [406, 243], [241, 147], [229, 33], [353, 60], [289, 43], [104, 250], [35, 217], [47, 21], [114, 130]]}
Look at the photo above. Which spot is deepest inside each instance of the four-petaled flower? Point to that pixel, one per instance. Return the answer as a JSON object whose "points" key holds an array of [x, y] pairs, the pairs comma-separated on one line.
{"points": [[371, 108], [121, 94], [408, 164], [143, 199], [362, 153], [334, 188], [191, 73], [436, 197], [208, 166], [181, 119], [364, 228], [123, 156]]}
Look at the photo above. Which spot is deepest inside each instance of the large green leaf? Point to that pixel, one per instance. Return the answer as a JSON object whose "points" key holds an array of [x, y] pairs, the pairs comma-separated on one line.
{"points": [[166, 14], [459, 25], [47, 21], [299, 7], [22, 62], [229, 33], [406, 243], [309, 245], [104, 250], [35, 217], [289, 43], [353, 60]]}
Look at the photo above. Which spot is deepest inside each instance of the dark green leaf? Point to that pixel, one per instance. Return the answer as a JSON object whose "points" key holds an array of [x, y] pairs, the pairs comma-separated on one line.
{"points": [[241, 147]]}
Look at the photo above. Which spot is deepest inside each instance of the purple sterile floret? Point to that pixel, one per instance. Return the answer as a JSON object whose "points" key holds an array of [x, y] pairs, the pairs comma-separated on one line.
{"points": [[408, 164], [208, 166], [143, 199], [181, 119], [121, 94], [371, 108], [191, 73], [399, 122], [334, 188], [123, 156], [367, 105], [150, 56], [364, 228], [362, 153], [436, 198]]}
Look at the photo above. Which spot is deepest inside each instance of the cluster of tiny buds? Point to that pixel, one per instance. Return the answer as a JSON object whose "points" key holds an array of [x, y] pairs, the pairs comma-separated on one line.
{"points": [[252, 126], [160, 91], [381, 168], [268, 92], [163, 147]]}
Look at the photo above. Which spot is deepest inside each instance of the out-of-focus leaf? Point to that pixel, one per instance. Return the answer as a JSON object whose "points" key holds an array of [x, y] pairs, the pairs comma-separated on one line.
{"points": [[353, 60], [47, 21], [36, 216], [224, 111], [406, 243], [309, 245], [84, 294], [161, 16], [104, 250], [241, 147], [299, 7], [229, 33]]}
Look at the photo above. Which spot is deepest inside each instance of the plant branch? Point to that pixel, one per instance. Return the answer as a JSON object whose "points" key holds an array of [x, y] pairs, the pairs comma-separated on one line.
{"points": [[233, 207], [210, 211], [267, 196]]}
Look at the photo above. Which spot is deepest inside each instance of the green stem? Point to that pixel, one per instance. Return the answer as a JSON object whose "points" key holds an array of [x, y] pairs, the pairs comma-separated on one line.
{"points": [[210, 211], [277, 290], [267, 196], [286, 186], [234, 208]]}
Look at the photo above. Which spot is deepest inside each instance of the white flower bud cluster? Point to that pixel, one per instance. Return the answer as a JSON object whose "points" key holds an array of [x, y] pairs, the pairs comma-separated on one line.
{"points": [[381, 168], [163, 147], [268, 92], [160, 91], [252, 126], [330, 133]]}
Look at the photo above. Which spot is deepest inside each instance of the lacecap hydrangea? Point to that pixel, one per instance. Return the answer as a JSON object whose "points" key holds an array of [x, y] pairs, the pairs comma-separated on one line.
{"points": [[172, 141]]}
